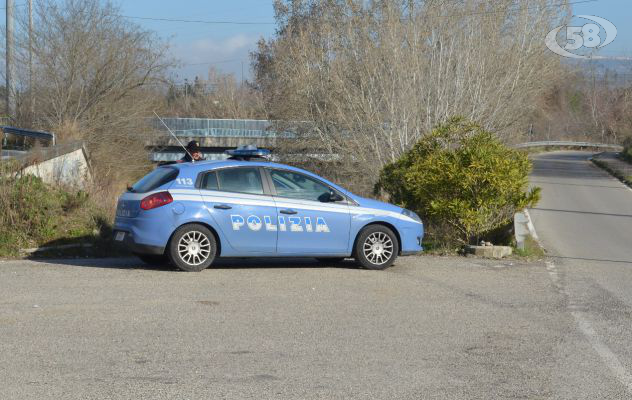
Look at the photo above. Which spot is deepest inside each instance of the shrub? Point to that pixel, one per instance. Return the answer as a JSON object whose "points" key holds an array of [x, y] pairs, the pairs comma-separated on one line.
{"points": [[33, 213], [461, 179], [626, 154]]}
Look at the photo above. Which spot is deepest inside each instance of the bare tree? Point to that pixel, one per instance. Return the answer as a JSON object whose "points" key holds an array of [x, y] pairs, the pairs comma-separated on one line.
{"points": [[591, 104], [93, 74], [371, 77], [218, 96]]}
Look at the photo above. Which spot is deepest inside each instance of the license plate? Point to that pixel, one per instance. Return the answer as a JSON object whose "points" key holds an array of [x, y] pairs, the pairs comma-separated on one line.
{"points": [[124, 213], [119, 236]]}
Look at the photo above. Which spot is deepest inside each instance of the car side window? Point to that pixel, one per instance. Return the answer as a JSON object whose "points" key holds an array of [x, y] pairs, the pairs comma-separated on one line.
{"points": [[299, 186], [240, 180], [209, 181]]}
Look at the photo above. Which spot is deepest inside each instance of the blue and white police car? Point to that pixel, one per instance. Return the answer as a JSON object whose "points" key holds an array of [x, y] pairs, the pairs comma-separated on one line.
{"points": [[193, 213]]}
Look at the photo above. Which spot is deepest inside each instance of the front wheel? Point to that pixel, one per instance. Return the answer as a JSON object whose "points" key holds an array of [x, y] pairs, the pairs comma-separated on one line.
{"points": [[192, 248], [376, 247]]}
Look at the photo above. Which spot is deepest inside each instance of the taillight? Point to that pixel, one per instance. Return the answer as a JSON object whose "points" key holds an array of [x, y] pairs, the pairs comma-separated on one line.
{"points": [[156, 200]]}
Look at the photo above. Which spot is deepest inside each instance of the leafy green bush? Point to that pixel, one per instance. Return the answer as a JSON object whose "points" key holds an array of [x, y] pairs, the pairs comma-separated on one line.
{"points": [[33, 213], [462, 180], [626, 154]]}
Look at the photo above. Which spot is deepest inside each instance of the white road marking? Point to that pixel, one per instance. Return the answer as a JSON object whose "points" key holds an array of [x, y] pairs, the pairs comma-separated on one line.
{"points": [[585, 327], [607, 356]]}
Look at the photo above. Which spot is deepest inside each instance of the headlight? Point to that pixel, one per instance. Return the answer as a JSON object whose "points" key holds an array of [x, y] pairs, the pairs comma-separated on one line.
{"points": [[411, 214]]}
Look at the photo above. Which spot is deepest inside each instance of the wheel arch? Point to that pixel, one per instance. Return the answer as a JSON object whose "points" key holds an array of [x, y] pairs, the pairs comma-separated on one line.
{"points": [[383, 223], [204, 224]]}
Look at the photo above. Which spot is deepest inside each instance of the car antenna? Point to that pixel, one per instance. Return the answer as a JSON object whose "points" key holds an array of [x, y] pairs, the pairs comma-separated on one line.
{"points": [[175, 137]]}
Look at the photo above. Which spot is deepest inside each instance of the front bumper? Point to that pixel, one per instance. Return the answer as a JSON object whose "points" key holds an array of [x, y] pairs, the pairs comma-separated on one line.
{"points": [[138, 248], [412, 252], [411, 236]]}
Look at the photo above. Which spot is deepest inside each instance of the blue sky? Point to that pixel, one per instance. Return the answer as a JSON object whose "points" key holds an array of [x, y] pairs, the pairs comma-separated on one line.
{"points": [[226, 46], [619, 12]]}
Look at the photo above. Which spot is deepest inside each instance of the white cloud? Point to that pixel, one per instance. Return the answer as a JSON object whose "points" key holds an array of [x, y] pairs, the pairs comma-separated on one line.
{"points": [[226, 46], [215, 50]]}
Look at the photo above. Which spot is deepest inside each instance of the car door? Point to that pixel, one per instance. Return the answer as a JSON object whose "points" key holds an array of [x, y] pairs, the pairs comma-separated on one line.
{"points": [[308, 223], [236, 199]]}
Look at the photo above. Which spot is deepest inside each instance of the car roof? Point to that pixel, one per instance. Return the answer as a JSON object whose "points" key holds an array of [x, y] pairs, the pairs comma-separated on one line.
{"points": [[212, 164]]}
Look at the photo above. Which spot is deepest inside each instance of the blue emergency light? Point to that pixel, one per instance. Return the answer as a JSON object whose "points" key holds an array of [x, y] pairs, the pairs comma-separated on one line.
{"points": [[246, 152]]}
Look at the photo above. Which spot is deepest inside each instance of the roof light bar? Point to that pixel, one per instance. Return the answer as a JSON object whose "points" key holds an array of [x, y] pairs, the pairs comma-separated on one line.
{"points": [[246, 152]]}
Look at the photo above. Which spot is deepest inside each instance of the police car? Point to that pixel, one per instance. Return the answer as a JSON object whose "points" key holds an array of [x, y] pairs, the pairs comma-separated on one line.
{"points": [[193, 213]]}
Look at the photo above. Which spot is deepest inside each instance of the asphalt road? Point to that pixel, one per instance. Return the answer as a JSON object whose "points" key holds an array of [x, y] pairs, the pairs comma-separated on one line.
{"points": [[584, 214], [585, 222], [428, 328]]}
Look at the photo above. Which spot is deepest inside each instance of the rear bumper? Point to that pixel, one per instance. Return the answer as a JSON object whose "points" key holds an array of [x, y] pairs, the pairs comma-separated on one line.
{"points": [[137, 248]]}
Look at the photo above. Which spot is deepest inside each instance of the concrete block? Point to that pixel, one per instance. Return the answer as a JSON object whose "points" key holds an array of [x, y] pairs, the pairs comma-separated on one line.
{"points": [[490, 251]]}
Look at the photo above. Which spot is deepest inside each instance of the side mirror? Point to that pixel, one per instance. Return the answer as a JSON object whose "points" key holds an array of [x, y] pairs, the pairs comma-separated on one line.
{"points": [[333, 196]]}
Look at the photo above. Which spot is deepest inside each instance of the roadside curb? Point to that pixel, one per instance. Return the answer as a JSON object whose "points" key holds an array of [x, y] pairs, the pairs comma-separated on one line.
{"points": [[603, 165], [61, 247], [523, 227], [531, 227]]}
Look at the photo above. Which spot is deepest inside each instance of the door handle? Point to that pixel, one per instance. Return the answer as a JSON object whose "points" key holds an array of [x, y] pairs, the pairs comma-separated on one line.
{"points": [[222, 207], [289, 212]]}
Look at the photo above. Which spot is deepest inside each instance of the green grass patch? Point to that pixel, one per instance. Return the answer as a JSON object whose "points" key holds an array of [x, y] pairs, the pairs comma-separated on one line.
{"points": [[626, 154], [623, 178], [34, 214], [531, 250]]}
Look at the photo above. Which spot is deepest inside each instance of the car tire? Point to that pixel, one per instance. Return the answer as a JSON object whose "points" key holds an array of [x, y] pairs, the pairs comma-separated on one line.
{"points": [[376, 247], [192, 248], [154, 259], [330, 260]]}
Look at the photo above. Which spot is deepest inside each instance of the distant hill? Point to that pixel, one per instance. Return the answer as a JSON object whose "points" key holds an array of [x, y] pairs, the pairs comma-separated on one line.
{"points": [[618, 69]]}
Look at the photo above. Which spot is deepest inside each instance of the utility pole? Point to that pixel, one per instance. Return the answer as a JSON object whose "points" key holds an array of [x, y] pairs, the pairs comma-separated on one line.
{"points": [[31, 105], [186, 94], [10, 69]]}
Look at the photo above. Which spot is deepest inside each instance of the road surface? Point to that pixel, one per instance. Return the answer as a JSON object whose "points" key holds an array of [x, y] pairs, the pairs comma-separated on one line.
{"points": [[585, 222], [585, 214], [428, 328]]}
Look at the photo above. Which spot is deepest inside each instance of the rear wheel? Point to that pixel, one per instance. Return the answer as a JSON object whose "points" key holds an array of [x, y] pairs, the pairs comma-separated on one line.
{"points": [[376, 247], [192, 248]]}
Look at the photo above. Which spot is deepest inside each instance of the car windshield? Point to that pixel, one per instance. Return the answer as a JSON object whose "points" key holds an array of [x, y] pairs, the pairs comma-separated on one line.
{"points": [[154, 179]]}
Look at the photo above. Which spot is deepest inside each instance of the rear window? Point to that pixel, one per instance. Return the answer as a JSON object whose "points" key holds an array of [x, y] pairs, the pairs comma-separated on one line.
{"points": [[155, 179], [209, 181]]}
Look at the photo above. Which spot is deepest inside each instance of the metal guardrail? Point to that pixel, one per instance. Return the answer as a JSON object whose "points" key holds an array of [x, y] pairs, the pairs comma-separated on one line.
{"points": [[29, 133], [563, 143], [205, 127]]}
